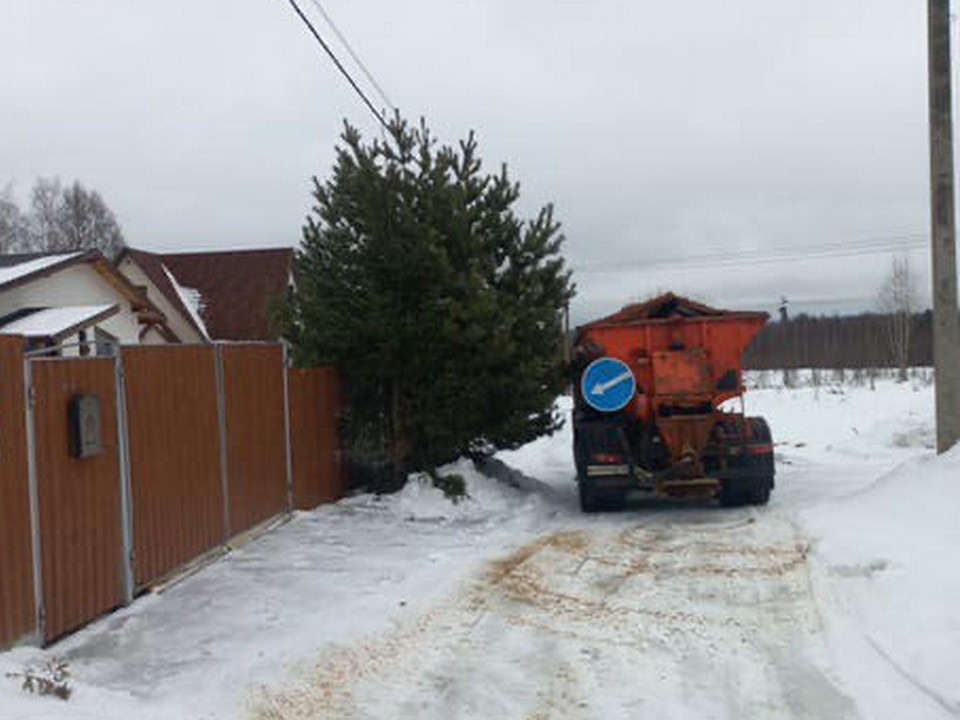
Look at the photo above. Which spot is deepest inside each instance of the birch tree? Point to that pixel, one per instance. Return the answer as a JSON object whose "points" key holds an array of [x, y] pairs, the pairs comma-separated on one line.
{"points": [[897, 300]]}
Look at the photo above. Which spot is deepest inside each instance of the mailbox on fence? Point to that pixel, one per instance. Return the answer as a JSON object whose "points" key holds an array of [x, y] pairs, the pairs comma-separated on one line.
{"points": [[86, 436]]}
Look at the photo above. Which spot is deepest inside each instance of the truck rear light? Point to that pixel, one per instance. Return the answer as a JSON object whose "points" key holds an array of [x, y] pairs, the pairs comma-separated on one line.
{"points": [[607, 458]]}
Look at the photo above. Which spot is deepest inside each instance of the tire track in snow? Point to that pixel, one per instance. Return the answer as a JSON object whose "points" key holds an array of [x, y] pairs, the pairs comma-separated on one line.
{"points": [[675, 616]]}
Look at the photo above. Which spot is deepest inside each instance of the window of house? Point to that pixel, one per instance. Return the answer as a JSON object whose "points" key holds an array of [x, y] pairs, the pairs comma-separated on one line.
{"points": [[106, 343]]}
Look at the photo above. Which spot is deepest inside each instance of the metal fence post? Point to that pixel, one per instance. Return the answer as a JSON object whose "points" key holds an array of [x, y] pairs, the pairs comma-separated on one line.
{"points": [[222, 417], [34, 490], [126, 490], [287, 426]]}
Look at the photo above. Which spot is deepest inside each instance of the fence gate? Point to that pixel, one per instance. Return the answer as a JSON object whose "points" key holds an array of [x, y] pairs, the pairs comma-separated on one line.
{"points": [[123, 469], [76, 477], [254, 425], [173, 431]]}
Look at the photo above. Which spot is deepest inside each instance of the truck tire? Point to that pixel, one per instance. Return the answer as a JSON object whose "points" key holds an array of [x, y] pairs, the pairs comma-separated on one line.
{"points": [[760, 493], [589, 502], [734, 496]]}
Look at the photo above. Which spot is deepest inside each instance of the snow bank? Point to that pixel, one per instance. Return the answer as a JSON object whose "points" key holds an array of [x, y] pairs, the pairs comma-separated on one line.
{"points": [[486, 499], [851, 419], [549, 459], [889, 561]]}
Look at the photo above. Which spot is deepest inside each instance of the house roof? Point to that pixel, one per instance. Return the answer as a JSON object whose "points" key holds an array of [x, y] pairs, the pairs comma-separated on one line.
{"points": [[58, 323], [236, 287], [21, 269], [153, 267], [18, 269], [665, 307], [191, 299]]}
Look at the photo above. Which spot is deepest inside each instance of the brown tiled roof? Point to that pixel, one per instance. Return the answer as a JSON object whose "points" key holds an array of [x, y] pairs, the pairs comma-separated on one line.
{"points": [[152, 266], [238, 287]]}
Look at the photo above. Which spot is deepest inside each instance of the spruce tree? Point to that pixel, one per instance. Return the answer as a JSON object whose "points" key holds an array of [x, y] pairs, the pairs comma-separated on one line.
{"points": [[439, 304]]}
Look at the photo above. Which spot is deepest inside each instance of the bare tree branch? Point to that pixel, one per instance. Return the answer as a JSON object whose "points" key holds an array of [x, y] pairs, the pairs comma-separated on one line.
{"points": [[72, 218], [897, 300]]}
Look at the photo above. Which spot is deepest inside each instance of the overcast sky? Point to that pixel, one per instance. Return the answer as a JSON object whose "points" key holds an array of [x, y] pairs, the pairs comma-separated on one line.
{"points": [[665, 133]]}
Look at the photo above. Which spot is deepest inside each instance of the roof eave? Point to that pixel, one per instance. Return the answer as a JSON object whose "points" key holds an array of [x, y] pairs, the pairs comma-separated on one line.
{"points": [[68, 261]]}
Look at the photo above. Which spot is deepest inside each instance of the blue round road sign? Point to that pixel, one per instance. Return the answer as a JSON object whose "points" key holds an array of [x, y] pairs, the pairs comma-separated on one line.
{"points": [[608, 384]]}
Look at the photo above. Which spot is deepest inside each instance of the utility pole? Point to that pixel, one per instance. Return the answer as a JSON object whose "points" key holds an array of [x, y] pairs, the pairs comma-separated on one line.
{"points": [[946, 320]]}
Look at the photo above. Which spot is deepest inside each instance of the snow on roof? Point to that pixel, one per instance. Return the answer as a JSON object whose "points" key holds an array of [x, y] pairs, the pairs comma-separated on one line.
{"points": [[52, 322], [32, 265], [192, 300]]}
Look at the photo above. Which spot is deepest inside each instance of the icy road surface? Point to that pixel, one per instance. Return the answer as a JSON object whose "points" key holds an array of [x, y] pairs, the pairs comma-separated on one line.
{"points": [[835, 601], [684, 614]]}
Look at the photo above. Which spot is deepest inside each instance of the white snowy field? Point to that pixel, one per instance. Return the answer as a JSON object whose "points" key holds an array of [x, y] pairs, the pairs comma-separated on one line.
{"points": [[838, 600]]}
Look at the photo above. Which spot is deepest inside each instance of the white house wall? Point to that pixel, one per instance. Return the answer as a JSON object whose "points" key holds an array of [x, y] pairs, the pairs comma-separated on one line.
{"points": [[75, 285], [175, 320], [153, 337]]}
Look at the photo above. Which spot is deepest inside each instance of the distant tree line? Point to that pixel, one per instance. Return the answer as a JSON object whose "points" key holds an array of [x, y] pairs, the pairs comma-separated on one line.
{"points": [[59, 219], [854, 341]]}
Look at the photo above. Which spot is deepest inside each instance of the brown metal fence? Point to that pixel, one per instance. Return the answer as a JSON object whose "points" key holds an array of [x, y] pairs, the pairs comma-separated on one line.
{"points": [[196, 444], [173, 432], [256, 437], [17, 612], [317, 466], [81, 518]]}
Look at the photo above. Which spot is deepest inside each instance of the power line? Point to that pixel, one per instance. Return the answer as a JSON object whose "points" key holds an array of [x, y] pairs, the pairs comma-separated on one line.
{"points": [[353, 54], [726, 258], [340, 67]]}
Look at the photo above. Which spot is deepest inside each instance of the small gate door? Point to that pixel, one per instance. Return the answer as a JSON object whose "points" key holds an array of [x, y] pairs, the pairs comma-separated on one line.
{"points": [[76, 468]]}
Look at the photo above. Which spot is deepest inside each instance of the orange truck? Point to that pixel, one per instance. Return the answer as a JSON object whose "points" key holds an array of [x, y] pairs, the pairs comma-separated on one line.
{"points": [[655, 406]]}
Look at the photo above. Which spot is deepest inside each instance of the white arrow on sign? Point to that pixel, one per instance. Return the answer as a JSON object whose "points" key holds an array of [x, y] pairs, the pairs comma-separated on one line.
{"points": [[601, 387]]}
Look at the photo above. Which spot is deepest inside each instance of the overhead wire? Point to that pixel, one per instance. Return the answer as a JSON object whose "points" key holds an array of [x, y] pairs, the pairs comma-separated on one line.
{"points": [[336, 61], [869, 246], [353, 54]]}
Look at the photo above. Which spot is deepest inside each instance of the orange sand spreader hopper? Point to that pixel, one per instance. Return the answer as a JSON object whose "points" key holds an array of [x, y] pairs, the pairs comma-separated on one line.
{"points": [[651, 380]]}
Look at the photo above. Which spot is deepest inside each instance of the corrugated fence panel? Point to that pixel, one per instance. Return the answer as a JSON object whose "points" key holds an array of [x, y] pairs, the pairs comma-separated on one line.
{"points": [[174, 436], [314, 408], [253, 377], [80, 501], [17, 613]]}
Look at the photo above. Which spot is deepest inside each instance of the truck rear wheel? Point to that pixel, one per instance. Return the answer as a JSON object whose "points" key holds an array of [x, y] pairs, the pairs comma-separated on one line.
{"points": [[752, 477], [593, 500], [760, 494], [733, 495], [589, 502]]}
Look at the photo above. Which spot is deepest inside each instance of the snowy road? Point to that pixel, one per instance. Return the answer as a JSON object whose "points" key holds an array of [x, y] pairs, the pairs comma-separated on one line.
{"points": [[666, 612], [514, 605], [680, 614]]}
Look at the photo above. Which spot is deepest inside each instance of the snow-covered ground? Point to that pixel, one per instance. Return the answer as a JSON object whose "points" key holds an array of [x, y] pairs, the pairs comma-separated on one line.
{"points": [[838, 600]]}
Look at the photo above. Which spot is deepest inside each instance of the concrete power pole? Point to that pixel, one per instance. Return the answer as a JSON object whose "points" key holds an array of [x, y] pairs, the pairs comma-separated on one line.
{"points": [[946, 321]]}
